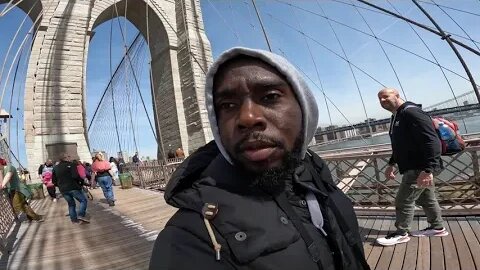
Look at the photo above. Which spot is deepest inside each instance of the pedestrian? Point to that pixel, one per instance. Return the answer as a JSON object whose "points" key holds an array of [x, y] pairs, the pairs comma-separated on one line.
{"points": [[416, 150], [81, 170], [171, 154], [47, 179], [66, 178], [17, 190], [136, 159], [121, 164], [179, 153], [114, 170], [101, 169], [40, 170], [257, 198]]}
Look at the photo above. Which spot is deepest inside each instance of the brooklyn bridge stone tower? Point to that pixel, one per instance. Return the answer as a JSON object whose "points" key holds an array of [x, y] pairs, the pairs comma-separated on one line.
{"points": [[55, 94]]}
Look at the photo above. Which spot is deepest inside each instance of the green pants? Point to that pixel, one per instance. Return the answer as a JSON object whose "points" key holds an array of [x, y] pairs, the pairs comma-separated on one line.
{"points": [[410, 194], [20, 205]]}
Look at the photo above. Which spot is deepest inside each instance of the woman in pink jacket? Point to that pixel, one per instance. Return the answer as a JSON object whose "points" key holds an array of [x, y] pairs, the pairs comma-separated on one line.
{"points": [[101, 169]]}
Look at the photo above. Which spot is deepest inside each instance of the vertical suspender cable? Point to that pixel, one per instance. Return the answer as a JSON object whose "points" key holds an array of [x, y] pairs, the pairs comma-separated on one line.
{"points": [[158, 138], [383, 50], [112, 88], [315, 65], [351, 70]]}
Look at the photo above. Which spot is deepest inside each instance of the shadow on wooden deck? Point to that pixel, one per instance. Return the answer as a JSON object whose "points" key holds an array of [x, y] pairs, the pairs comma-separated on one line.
{"points": [[117, 238]]}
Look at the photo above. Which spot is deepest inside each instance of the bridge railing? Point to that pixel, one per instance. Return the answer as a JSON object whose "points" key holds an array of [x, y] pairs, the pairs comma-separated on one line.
{"points": [[152, 174], [359, 172], [7, 219]]}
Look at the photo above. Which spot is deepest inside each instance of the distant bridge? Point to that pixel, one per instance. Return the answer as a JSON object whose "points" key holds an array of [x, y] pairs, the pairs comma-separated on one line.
{"points": [[434, 110]]}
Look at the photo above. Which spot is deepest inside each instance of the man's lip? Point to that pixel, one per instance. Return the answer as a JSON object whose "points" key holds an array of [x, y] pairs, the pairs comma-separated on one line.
{"points": [[258, 154], [256, 145]]}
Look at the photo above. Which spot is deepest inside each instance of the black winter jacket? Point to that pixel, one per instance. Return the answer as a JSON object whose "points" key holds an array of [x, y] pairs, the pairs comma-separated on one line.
{"points": [[66, 178], [254, 232], [415, 143]]}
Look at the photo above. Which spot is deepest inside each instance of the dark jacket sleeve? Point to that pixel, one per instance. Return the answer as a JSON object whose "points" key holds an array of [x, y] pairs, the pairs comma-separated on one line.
{"points": [[76, 176], [391, 161], [40, 169], [425, 137], [178, 249], [54, 177]]}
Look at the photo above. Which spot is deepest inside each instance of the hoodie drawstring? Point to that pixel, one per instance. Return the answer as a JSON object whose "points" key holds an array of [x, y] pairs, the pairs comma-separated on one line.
{"points": [[209, 212]]}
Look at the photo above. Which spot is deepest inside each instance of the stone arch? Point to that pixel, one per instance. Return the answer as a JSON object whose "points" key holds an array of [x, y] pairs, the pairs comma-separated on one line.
{"points": [[55, 100]]}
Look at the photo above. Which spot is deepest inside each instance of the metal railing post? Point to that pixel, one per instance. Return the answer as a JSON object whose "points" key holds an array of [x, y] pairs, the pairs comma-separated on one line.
{"points": [[476, 172]]}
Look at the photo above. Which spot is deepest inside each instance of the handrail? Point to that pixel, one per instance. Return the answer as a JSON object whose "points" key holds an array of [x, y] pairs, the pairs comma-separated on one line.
{"points": [[359, 171]]}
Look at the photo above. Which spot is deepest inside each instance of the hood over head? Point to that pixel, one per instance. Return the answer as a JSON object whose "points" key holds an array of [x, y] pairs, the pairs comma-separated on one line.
{"points": [[302, 92]]}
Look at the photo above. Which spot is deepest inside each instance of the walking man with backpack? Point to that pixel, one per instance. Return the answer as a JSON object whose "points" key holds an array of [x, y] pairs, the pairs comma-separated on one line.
{"points": [[416, 150], [68, 181]]}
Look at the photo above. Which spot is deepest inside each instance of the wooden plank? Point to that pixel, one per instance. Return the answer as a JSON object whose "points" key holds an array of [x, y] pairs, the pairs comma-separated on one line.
{"points": [[423, 255], [410, 259], [464, 257], [111, 241], [436, 253], [372, 236], [472, 241], [449, 249], [475, 224], [387, 252], [398, 257], [377, 249], [365, 230]]}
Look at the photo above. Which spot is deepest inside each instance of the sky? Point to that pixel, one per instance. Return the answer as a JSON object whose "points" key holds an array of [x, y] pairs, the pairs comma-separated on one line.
{"points": [[314, 35]]}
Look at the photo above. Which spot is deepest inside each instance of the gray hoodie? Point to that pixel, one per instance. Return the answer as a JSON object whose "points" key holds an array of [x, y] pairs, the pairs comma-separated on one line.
{"points": [[299, 86]]}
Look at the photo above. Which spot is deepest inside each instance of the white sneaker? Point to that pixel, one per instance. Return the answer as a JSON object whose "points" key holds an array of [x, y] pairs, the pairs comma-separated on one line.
{"points": [[54, 199], [430, 232], [393, 239]]}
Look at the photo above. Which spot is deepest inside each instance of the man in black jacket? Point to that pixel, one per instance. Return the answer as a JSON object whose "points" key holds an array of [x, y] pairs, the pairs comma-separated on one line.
{"points": [[256, 198], [416, 149], [69, 182]]}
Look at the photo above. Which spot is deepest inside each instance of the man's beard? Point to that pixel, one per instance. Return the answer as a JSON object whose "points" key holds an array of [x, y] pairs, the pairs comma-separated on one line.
{"points": [[273, 180]]}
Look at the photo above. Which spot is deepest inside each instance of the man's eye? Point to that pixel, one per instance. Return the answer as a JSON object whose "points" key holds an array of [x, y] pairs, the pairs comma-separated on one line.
{"points": [[271, 97], [226, 105]]}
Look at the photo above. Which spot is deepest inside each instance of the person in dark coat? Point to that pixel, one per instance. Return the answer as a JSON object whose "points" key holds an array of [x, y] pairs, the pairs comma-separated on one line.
{"points": [[256, 197], [68, 181]]}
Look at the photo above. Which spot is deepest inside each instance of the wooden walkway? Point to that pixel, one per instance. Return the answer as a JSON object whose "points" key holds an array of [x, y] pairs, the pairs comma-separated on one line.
{"points": [[117, 238], [459, 250], [122, 238]]}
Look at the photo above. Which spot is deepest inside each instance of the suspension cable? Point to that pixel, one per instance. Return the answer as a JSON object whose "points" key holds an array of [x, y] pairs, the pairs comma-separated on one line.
{"points": [[112, 89], [383, 50], [111, 80], [434, 58], [422, 26], [449, 41], [329, 99], [262, 26], [457, 24], [314, 64], [367, 34]]}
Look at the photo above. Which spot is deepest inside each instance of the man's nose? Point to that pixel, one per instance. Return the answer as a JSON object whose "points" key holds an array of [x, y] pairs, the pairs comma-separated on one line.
{"points": [[251, 116]]}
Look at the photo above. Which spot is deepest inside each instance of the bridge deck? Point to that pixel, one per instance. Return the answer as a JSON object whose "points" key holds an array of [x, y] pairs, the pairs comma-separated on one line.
{"points": [[122, 238]]}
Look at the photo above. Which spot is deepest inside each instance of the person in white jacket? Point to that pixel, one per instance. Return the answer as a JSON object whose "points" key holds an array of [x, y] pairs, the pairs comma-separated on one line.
{"points": [[114, 170]]}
